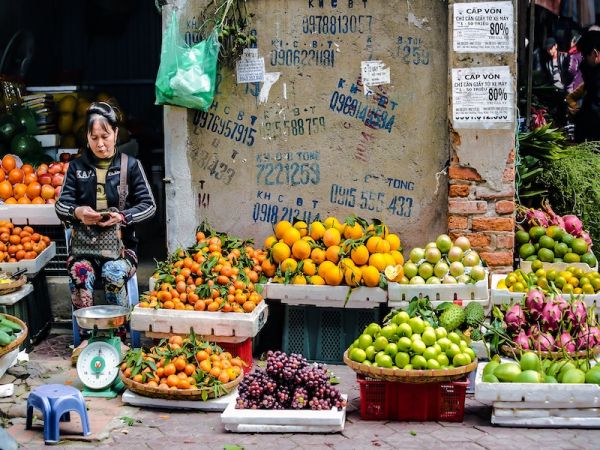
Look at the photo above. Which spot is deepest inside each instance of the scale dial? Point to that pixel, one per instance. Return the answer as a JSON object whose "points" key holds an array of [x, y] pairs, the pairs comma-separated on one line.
{"points": [[97, 365]]}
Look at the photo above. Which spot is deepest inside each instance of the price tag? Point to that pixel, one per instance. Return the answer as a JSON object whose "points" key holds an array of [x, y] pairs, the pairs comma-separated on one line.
{"points": [[482, 97], [250, 68], [485, 27]]}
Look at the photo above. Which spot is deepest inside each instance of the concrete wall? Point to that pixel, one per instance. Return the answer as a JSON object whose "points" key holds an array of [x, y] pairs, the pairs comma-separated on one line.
{"points": [[305, 152]]}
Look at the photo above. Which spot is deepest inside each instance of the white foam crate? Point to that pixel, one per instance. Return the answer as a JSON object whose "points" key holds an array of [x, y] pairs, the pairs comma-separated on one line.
{"points": [[30, 214], [213, 405], [48, 140], [326, 296], [33, 266], [520, 395], [399, 295], [544, 418], [282, 421], [525, 266], [504, 296], [204, 323]]}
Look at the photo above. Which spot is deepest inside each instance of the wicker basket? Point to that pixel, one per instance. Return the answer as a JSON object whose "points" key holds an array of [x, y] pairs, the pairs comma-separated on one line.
{"points": [[511, 352], [20, 338], [7, 288], [410, 376], [179, 394]]}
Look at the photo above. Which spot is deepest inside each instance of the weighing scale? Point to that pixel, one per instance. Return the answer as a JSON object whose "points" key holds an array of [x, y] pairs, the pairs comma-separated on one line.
{"points": [[98, 363]]}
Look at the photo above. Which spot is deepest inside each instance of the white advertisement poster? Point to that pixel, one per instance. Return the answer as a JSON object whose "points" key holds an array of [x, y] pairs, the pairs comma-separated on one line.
{"points": [[482, 97], [250, 68], [485, 27]]}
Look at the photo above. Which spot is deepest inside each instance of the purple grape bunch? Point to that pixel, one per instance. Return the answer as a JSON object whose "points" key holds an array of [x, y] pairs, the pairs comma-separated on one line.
{"points": [[288, 382]]}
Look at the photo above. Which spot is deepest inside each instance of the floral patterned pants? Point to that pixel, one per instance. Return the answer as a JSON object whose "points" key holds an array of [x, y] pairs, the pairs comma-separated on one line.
{"points": [[83, 272]]}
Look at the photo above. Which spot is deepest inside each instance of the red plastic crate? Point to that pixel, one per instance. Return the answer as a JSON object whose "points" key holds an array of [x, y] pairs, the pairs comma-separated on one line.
{"points": [[388, 400], [242, 349]]}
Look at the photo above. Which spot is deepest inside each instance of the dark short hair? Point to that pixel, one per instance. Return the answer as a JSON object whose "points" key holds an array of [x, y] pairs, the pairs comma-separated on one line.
{"points": [[101, 112], [589, 41], [549, 43]]}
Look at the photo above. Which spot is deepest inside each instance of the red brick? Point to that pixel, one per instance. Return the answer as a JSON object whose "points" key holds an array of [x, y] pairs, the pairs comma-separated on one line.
{"points": [[459, 190], [483, 193], [497, 258], [466, 207], [457, 223], [463, 173], [493, 224], [509, 174], [505, 207], [505, 241], [511, 157], [479, 240]]}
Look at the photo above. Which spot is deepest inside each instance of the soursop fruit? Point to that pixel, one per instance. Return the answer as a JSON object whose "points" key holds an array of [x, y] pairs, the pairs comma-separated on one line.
{"points": [[452, 317], [474, 314]]}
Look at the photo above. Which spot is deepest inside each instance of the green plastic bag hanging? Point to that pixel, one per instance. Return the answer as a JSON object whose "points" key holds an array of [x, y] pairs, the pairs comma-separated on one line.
{"points": [[187, 74]]}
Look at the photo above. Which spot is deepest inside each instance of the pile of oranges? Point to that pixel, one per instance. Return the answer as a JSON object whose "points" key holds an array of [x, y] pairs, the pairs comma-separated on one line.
{"points": [[17, 243], [218, 273], [28, 185], [181, 363], [352, 253]]}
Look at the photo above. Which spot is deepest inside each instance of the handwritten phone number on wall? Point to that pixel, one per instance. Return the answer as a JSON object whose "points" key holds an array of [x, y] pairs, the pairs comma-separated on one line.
{"points": [[269, 213], [216, 168], [294, 127], [372, 117], [399, 205], [325, 58], [288, 174], [225, 127], [341, 24]]}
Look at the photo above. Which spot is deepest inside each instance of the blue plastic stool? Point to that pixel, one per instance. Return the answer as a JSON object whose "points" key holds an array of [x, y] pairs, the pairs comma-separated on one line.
{"points": [[55, 401], [133, 298]]}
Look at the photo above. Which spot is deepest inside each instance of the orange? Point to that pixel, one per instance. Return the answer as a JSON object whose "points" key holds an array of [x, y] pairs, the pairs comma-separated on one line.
{"points": [[360, 255], [279, 251], [308, 267], [383, 246], [372, 244], [332, 237], [223, 377], [299, 279], [170, 369], [2, 174], [205, 365], [302, 227], [6, 190], [269, 241], [19, 190], [189, 369], [9, 163], [331, 222], [289, 265], [16, 176], [201, 355], [334, 276], [378, 260], [352, 275], [317, 280], [215, 372], [180, 364], [27, 168], [398, 258], [318, 255], [281, 227], [301, 249], [249, 306], [353, 231], [317, 230], [324, 268], [394, 241], [268, 268], [24, 201], [172, 380], [370, 276], [34, 190], [290, 236]]}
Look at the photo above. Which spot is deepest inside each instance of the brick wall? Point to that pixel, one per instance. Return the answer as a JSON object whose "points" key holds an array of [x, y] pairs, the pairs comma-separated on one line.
{"points": [[484, 215]]}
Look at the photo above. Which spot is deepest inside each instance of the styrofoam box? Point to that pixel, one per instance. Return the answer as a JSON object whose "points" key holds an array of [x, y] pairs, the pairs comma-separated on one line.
{"points": [[504, 296], [326, 296], [525, 266], [437, 293], [203, 323], [33, 266], [580, 418], [282, 421], [522, 395], [48, 140], [214, 405], [30, 214]]}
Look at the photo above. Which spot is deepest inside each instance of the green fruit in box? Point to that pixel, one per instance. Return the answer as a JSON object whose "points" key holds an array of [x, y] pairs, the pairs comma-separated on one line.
{"points": [[358, 355], [555, 232], [461, 359], [530, 361], [454, 337], [417, 325], [507, 371], [546, 242], [579, 246], [452, 351], [442, 358], [522, 237], [430, 353], [440, 332], [372, 329], [550, 379], [572, 258], [388, 331], [593, 376], [383, 360], [528, 376], [400, 317], [444, 343], [536, 233], [428, 336], [573, 376], [490, 367], [526, 250], [433, 364], [418, 347], [366, 362], [474, 314], [564, 367], [545, 255], [380, 343], [469, 351], [404, 344], [402, 359], [589, 258], [489, 378], [391, 349], [404, 329], [415, 337], [364, 341], [418, 362], [4, 338], [452, 317], [560, 249], [371, 352], [584, 364]]}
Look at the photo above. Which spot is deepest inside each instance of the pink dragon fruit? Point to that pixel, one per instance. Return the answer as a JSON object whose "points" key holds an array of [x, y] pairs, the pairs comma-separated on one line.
{"points": [[573, 225], [562, 303], [565, 341], [586, 237], [534, 302], [576, 314], [551, 315], [522, 340], [515, 318], [543, 342], [534, 217], [555, 219]]}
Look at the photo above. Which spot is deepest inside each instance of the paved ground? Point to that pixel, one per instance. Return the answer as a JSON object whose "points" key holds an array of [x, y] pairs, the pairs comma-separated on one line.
{"points": [[160, 429]]}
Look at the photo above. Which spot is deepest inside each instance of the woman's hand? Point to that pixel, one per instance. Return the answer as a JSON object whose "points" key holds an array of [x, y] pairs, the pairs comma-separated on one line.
{"points": [[110, 219], [87, 215]]}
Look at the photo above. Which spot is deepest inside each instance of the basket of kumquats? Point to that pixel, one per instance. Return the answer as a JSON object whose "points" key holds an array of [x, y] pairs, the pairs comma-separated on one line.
{"points": [[181, 369]]}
